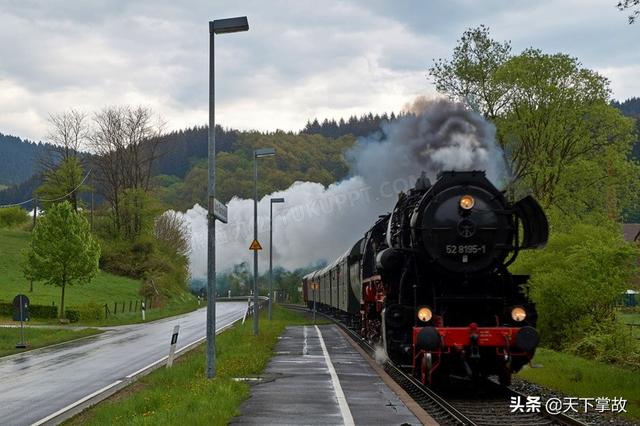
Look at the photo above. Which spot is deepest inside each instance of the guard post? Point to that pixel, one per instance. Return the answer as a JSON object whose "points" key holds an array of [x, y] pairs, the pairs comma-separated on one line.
{"points": [[172, 348]]}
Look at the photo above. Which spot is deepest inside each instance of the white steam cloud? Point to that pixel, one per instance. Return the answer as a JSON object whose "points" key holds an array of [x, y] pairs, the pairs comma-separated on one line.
{"points": [[318, 223]]}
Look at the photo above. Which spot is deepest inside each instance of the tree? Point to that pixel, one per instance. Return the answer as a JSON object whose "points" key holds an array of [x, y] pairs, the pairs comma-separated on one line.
{"points": [[470, 76], [558, 115], [62, 251], [553, 119], [125, 142], [68, 132], [173, 232], [634, 5], [63, 183]]}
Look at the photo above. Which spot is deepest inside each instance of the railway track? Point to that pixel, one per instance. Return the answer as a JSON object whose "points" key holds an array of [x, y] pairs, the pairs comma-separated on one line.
{"points": [[491, 407]]}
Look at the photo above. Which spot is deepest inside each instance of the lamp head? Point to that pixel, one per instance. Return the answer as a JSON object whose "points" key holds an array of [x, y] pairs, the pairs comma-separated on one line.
{"points": [[229, 25], [264, 152]]}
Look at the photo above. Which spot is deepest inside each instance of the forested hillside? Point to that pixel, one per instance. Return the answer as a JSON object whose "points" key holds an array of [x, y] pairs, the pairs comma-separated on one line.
{"points": [[18, 159], [298, 157], [631, 108], [313, 154]]}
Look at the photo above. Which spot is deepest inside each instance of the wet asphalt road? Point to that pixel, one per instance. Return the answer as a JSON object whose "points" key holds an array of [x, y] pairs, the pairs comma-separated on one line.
{"points": [[38, 383]]}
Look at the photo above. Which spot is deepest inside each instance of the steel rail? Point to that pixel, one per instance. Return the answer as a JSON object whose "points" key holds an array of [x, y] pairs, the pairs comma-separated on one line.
{"points": [[468, 412]]}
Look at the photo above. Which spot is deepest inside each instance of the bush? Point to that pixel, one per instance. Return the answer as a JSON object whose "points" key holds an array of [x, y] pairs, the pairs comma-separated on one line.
{"points": [[127, 258], [609, 343], [35, 311], [90, 311], [6, 309], [576, 281], [12, 216], [43, 311], [73, 315]]}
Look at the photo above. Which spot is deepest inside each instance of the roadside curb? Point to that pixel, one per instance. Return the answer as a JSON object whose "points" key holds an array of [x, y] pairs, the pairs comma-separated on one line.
{"points": [[102, 394]]}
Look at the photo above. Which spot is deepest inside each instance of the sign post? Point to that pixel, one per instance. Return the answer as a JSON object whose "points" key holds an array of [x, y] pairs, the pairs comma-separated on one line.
{"points": [[172, 348], [255, 246], [21, 313]]}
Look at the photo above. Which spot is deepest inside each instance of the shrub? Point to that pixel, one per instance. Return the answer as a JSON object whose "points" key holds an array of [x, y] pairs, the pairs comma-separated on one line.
{"points": [[35, 311], [12, 216], [43, 311], [90, 311], [609, 343], [576, 281], [73, 315], [6, 309]]}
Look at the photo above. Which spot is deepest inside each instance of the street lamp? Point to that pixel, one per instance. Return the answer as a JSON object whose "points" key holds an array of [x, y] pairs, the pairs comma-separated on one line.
{"points": [[273, 200], [258, 153], [219, 26]]}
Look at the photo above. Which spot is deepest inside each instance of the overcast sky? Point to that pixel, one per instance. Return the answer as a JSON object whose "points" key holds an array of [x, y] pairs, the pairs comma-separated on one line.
{"points": [[299, 60]]}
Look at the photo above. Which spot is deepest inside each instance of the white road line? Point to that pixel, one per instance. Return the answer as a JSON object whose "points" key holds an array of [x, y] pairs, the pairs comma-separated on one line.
{"points": [[78, 402], [347, 418], [117, 382], [305, 349]]}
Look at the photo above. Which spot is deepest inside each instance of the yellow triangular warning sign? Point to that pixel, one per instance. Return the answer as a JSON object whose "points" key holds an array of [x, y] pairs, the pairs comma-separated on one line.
{"points": [[255, 245]]}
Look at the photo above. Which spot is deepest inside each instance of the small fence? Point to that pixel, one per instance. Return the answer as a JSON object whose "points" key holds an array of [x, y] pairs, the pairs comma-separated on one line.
{"points": [[126, 306], [634, 330]]}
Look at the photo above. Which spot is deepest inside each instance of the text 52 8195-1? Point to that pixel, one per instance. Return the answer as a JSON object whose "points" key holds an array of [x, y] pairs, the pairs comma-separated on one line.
{"points": [[465, 248]]}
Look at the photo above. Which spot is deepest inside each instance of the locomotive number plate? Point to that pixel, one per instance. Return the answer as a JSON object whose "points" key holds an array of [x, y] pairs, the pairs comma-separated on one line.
{"points": [[465, 249]]}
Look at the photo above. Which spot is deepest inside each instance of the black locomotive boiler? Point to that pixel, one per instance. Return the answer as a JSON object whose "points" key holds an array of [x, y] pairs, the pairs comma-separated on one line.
{"points": [[429, 282]]}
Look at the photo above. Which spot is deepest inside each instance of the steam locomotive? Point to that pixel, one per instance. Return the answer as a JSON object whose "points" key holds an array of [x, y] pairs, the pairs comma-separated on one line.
{"points": [[429, 282]]}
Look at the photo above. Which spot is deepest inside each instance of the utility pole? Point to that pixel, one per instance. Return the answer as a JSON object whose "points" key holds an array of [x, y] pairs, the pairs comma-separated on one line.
{"points": [[219, 26], [273, 200]]}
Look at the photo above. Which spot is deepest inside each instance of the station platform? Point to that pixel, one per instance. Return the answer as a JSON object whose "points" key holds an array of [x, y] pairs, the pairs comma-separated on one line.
{"points": [[318, 378]]}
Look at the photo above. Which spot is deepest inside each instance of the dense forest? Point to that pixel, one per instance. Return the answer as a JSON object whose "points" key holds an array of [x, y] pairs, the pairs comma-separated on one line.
{"points": [[18, 159], [313, 154], [631, 108]]}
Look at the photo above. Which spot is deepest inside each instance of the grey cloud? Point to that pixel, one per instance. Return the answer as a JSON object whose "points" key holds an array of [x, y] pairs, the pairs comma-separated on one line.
{"points": [[300, 58]]}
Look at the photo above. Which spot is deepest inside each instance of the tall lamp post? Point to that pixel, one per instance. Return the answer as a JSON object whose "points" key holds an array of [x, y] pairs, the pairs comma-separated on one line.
{"points": [[258, 153], [219, 26], [273, 200]]}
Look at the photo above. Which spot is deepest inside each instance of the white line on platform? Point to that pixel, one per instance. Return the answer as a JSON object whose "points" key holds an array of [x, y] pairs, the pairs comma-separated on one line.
{"points": [[342, 401], [305, 349]]}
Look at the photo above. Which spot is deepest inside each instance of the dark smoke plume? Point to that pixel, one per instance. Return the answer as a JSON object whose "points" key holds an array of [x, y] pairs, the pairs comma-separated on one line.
{"points": [[318, 223]]}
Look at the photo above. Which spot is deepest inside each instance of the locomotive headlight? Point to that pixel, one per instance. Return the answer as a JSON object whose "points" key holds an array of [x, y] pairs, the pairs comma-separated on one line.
{"points": [[518, 314], [467, 202], [424, 314]]}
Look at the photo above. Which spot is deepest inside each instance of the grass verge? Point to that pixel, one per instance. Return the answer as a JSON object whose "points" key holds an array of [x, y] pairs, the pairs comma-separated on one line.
{"points": [[38, 337], [579, 377], [104, 288], [183, 395], [173, 307]]}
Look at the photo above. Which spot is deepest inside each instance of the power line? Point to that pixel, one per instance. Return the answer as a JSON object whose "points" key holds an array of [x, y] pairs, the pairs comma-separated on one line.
{"points": [[49, 200]]}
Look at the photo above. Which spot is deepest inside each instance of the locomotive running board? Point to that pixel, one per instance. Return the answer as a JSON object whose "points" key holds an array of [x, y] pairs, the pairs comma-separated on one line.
{"points": [[534, 223]]}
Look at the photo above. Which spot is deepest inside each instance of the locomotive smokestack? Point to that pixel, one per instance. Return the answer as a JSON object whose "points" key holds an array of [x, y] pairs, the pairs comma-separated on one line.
{"points": [[423, 183]]}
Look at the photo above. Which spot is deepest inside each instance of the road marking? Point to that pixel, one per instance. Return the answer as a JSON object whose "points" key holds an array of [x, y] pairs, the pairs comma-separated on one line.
{"points": [[347, 418], [129, 377], [78, 402], [305, 349]]}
